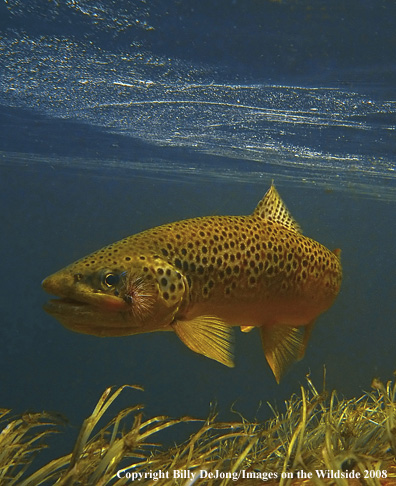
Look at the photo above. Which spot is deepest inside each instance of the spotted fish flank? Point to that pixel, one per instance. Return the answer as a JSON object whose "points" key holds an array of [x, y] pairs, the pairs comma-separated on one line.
{"points": [[199, 278]]}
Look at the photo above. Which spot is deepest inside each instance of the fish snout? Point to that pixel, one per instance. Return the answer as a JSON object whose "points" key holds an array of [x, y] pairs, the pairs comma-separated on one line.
{"points": [[58, 285]]}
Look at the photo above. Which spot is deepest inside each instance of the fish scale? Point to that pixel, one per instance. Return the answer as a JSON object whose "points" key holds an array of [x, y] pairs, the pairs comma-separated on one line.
{"points": [[232, 252], [202, 276]]}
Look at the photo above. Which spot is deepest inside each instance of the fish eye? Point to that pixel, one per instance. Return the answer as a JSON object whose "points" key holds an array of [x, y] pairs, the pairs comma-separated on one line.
{"points": [[111, 279]]}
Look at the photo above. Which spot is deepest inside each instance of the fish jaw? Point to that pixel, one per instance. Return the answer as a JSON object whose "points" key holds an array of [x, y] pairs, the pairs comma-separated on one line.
{"points": [[88, 319]]}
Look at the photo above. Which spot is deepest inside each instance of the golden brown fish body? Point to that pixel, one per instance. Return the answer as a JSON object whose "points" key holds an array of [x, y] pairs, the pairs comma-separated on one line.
{"points": [[199, 277]]}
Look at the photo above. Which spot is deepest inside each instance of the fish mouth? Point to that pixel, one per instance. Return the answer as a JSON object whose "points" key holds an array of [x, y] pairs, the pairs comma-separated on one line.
{"points": [[85, 318], [66, 309], [94, 304], [64, 304]]}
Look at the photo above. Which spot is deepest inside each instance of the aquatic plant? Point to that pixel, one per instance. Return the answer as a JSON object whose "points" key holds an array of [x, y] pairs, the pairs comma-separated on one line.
{"points": [[318, 439]]}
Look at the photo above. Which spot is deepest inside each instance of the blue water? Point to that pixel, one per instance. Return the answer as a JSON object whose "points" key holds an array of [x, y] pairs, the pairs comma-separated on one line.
{"points": [[119, 116]]}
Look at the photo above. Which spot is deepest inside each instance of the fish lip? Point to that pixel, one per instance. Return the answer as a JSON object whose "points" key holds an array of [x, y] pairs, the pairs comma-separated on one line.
{"points": [[61, 305], [93, 303], [88, 319], [67, 301]]}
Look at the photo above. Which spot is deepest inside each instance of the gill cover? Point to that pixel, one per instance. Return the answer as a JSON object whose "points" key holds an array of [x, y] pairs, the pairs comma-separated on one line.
{"points": [[154, 292]]}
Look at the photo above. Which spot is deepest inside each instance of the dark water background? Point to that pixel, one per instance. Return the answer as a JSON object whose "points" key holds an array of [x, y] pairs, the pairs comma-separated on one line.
{"points": [[118, 116]]}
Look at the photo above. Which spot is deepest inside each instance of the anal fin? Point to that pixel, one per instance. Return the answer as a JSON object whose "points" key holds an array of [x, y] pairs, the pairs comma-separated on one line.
{"points": [[283, 346], [209, 336], [246, 328], [307, 333]]}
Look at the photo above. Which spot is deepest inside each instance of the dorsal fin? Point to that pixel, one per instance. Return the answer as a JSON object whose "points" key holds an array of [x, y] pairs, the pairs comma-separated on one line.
{"points": [[272, 208]]}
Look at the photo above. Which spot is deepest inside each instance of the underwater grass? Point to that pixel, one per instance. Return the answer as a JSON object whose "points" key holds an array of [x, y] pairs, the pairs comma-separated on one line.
{"points": [[316, 432]]}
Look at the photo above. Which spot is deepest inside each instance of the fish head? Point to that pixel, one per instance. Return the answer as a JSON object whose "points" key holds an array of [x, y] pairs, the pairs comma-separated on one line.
{"points": [[142, 296]]}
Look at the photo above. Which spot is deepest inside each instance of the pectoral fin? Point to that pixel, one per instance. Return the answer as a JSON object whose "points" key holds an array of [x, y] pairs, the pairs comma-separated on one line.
{"points": [[209, 336], [283, 345]]}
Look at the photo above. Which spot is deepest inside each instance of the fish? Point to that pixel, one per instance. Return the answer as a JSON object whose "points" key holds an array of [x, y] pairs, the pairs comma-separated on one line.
{"points": [[200, 278]]}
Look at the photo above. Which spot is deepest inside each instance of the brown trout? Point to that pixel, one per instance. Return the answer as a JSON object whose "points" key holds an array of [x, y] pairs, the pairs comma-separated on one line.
{"points": [[199, 277]]}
